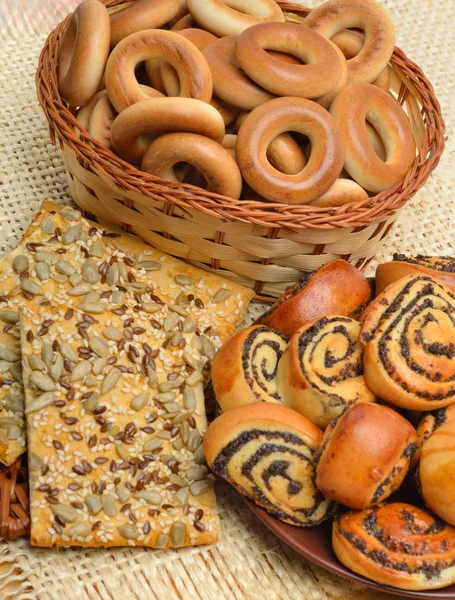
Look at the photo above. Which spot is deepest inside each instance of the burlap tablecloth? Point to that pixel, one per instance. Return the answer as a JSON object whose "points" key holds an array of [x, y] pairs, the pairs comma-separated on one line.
{"points": [[248, 562]]}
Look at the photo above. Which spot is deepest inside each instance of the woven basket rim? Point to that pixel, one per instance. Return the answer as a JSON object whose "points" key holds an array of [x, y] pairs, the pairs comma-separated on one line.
{"points": [[63, 126]]}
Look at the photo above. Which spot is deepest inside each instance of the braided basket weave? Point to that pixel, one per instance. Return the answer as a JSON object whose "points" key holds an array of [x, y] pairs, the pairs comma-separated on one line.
{"points": [[264, 246]]}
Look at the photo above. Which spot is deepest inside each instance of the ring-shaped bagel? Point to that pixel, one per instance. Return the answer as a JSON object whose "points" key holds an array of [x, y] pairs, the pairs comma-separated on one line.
{"points": [[229, 82], [84, 53], [141, 14], [201, 39], [184, 23], [278, 116], [343, 191], [318, 76], [151, 44], [283, 152], [333, 16], [207, 156], [231, 17], [229, 143], [327, 99], [361, 102], [226, 110], [163, 115], [351, 43]]}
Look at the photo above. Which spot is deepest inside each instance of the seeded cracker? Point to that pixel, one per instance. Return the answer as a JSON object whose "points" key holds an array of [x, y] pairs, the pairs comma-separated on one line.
{"points": [[115, 354]]}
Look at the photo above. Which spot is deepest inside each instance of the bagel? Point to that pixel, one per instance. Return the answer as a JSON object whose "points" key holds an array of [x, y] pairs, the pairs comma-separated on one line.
{"points": [[283, 153], [326, 100], [318, 76], [84, 52], [227, 111], [214, 162], [351, 43], [184, 23], [343, 191], [281, 115], [101, 118], [357, 103], [139, 15], [229, 83], [169, 76], [333, 16], [229, 143], [151, 44], [231, 17], [163, 115]]}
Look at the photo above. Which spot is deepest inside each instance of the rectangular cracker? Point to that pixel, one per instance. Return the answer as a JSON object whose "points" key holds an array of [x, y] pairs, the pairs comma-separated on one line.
{"points": [[114, 458]]}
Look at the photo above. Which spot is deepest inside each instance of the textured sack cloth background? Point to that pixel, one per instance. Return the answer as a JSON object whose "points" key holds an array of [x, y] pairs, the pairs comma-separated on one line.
{"points": [[248, 562]]}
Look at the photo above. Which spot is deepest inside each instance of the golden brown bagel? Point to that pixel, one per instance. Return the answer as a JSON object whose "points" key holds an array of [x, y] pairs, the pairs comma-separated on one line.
{"points": [[337, 288], [163, 115], [229, 144], [139, 15], [231, 17], [408, 331], [350, 109], [278, 116], [83, 53], [207, 156], [327, 99], [343, 191], [169, 76], [365, 455], [440, 268], [101, 119], [193, 70], [318, 76], [227, 111], [437, 471], [244, 369], [268, 453], [283, 153], [184, 23], [229, 82], [351, 43], [398, 545], [334, 16], [321, 371]]}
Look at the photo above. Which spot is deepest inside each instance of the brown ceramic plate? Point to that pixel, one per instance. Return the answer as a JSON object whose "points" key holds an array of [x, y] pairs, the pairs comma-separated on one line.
{"points": [[315, 544]]}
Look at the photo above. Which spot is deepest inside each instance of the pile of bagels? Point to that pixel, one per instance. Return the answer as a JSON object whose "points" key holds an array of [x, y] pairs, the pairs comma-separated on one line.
{"points": [[336, 405], [229, 97]]}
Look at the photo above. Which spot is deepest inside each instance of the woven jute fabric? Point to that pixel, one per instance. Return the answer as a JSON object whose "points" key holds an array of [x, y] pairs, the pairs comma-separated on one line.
{"points": [[248, 562]]}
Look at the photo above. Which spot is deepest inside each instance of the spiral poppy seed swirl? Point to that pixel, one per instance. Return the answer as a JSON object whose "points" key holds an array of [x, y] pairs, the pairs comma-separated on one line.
{"points": [[408, 332], [321, 371], [270, 456], [397, 544]]}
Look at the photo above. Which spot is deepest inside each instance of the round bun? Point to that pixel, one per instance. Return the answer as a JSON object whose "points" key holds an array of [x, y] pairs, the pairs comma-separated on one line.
{"points": [[408, 331], [440, 268], [321, 371], [337, 288], [268, 453], [244, 368], [365, 455], [437, 471], [398, 545]]}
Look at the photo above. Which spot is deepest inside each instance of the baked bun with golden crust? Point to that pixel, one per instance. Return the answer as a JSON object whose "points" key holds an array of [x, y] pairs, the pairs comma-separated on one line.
{"points": [[244, 369], [268, 453], [337, 288], [321, 370], [437, 471], [440, 268], [408, 331], [365, 455], [398, 545]]}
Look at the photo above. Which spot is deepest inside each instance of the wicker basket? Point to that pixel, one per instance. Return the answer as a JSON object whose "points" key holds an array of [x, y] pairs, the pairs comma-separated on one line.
{"points": [[264, 246]]}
